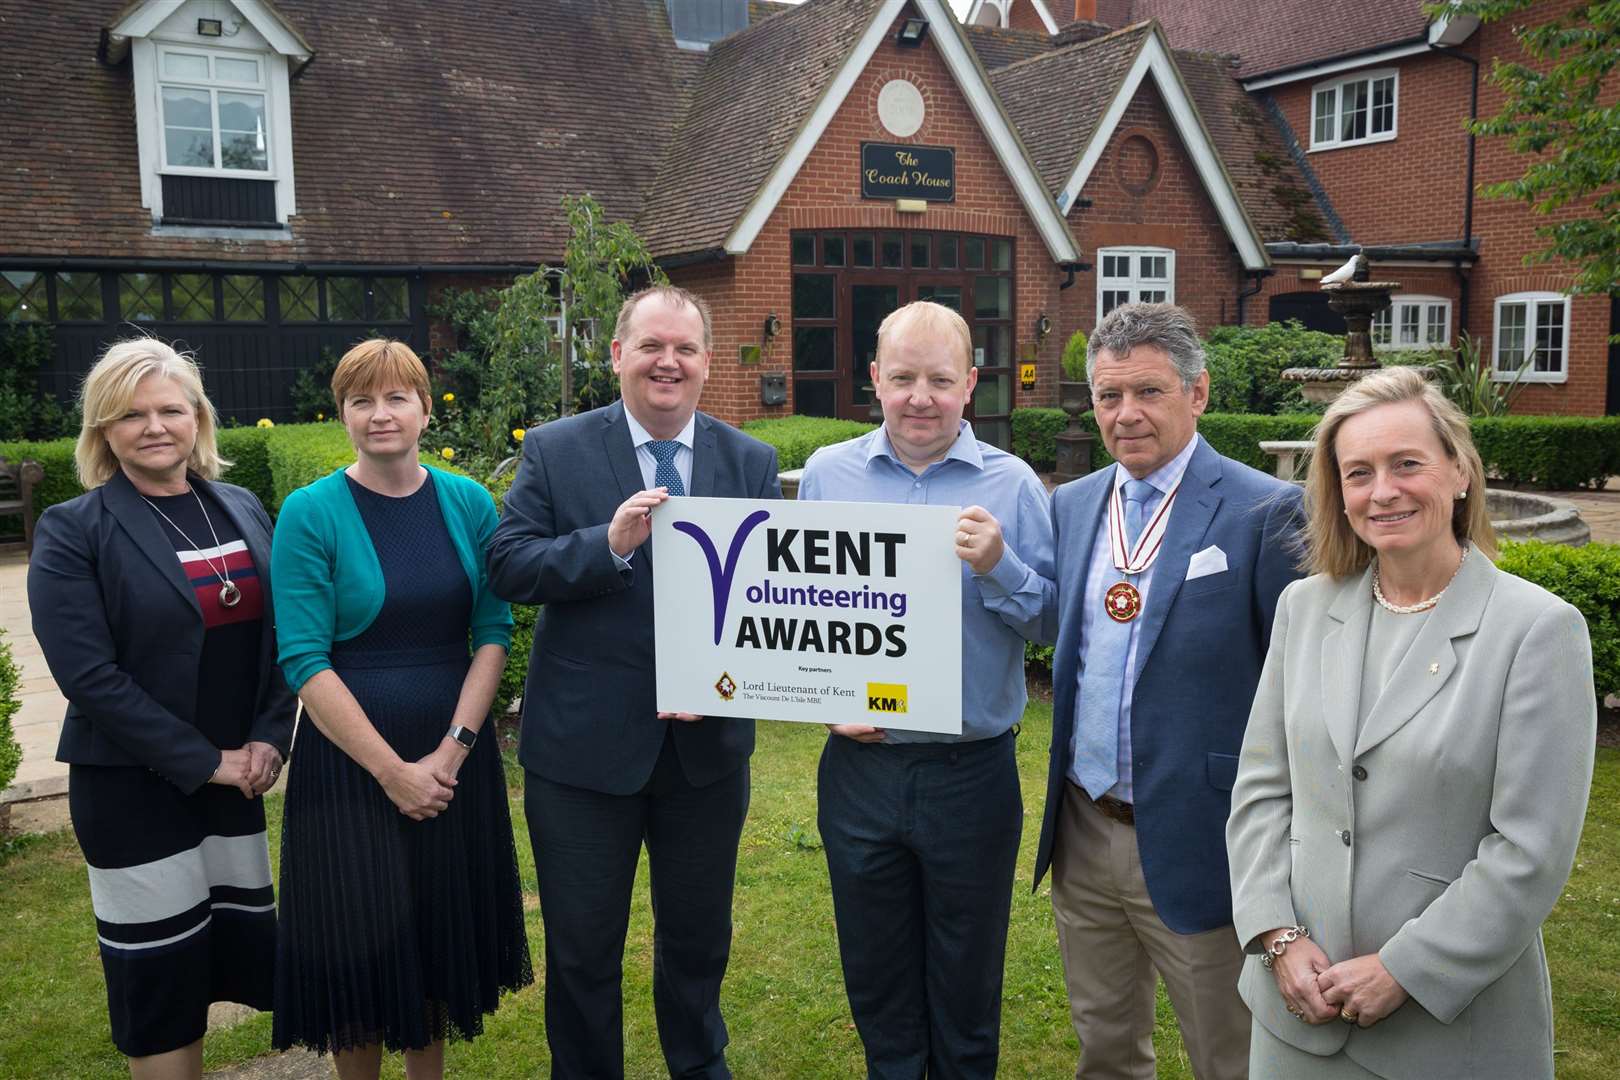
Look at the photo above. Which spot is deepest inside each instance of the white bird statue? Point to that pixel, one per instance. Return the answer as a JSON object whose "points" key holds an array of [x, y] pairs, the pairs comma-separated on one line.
{"points": [[1343, 273]]}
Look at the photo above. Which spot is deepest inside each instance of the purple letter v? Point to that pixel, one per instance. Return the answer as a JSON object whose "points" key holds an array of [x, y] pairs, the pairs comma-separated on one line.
{"points": [[720, 576]]}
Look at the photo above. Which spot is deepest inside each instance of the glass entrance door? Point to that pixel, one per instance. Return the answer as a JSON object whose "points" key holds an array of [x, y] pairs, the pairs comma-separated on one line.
{"points": [[869, 305]]}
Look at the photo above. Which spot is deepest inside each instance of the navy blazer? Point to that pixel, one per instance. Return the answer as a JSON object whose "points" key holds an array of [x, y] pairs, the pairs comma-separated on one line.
{"points": [[1198, 660], [123, 635], [589, 713]]}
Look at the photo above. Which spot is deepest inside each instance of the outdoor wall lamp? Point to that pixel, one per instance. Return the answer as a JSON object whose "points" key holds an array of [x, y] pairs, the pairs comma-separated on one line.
{"points": [[773, 326], [1043, 326], [912, 32], [210, 28]]}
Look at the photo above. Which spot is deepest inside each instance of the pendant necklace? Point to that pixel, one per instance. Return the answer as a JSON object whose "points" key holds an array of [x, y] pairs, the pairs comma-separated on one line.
{"points": [[1123, 601], [229, 594]]}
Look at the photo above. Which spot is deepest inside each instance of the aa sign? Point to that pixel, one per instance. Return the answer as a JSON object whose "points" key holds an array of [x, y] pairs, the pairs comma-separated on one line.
{"points": [[820, 612]]}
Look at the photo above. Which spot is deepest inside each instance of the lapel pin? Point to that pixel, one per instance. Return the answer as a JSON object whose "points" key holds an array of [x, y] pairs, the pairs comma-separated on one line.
{"points": [[1434, 669]]}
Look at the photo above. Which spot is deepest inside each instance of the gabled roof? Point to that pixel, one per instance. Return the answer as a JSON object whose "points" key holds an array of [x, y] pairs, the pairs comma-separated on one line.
{"points": [[1269, 36], [721, 154], [420, 135], [1102, 76], [1278, 198], [997, 47], [141, 17], [729, 166]]}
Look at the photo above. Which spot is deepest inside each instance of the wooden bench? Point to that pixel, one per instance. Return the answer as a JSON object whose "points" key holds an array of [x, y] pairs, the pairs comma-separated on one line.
{"points": [[17, 494]]}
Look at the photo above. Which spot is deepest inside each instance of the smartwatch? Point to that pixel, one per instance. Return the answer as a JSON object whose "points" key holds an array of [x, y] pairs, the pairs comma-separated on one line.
{"points": [[463, 735]]}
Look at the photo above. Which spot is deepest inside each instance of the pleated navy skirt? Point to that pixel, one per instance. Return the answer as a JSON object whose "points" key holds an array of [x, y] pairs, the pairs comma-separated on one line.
{"points": [[398, 931]]}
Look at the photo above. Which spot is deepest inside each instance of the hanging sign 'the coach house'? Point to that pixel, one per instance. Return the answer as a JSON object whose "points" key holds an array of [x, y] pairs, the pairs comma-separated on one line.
{"points": [[891, 171]]}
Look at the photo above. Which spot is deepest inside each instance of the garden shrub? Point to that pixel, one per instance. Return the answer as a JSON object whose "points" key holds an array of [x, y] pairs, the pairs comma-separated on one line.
{"points": [[1038, 658], [1587, 577], [61, 481], [10, 752], [25, 413], [248, 451], [797, 437], [1246, 365], [1074, 357], [1034, 432]]}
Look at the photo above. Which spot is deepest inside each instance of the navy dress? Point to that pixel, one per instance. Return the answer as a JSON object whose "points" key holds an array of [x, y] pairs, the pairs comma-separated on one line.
{"points": [[398, 931]]}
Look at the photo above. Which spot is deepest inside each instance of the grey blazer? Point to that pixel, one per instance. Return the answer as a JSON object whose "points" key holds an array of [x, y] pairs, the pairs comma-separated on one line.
{"points": [[1438, 836]]}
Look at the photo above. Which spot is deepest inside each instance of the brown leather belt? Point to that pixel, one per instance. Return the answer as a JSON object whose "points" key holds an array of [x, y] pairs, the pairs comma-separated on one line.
{"points": [[1109, 807]]}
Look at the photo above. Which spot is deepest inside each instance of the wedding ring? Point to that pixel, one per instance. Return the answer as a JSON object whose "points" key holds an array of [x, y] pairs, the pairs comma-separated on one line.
{"points": [[1295, 1013], [1347, 1016]]}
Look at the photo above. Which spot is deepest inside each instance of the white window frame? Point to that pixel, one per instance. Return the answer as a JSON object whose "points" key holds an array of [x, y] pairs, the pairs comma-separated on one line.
{"points": [[1532, 302], [1134, 283], [145, 58], [1337, 87], [213, 85], [1395, 315]]}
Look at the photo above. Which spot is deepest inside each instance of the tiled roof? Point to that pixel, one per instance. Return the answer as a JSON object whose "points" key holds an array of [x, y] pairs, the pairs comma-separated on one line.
{"points": [[1267, 182], [1274, 35], [1056, 126], [997, 47], [747, 106], [423, 135]]}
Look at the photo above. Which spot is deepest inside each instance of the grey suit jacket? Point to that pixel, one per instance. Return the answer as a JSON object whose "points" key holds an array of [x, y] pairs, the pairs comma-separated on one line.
{"points": [[1439, 835]]}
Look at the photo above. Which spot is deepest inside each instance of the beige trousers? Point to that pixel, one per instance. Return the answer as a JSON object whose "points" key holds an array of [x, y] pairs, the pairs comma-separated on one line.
{"points": [[1112, 941]]}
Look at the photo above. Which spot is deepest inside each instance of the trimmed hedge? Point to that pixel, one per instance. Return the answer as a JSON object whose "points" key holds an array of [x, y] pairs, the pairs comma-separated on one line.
{"points": [[797, 437], [61, 481], [1550, 452], [1033, 435], [1589, 578], [248, 451], [10, 752]]}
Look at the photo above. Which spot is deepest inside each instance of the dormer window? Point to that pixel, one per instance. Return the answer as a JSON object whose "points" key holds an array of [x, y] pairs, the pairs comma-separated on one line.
{"points": [[214, 112]]}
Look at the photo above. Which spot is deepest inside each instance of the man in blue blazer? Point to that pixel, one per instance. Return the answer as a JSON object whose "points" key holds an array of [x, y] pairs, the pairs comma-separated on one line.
{"points": [[604, 770], [1169, 567]]}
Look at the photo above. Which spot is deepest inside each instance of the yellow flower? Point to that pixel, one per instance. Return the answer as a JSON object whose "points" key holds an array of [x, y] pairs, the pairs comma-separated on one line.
{"points": [[320, 416], [265, 421], [518, 433], [447, 453], [449, 397]]}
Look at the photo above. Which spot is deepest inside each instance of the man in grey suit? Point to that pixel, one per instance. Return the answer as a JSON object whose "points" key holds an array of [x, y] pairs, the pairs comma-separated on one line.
{"points": [[604, 771], [1169, 566]]}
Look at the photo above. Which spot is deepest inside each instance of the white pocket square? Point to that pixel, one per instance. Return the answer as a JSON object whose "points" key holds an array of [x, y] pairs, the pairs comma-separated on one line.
{"points": [[1212, 560]]}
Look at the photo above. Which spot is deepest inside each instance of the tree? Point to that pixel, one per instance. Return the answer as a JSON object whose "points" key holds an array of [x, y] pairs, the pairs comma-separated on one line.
{"points": [[510, 371], [1563, 117]]}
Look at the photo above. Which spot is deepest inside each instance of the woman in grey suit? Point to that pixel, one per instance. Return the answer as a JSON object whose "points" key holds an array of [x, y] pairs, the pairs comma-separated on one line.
{"points": [[1415, 771]]}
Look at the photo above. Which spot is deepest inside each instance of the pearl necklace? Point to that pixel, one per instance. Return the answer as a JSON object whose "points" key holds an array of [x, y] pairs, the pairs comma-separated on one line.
{"points": [[1421, 605]]}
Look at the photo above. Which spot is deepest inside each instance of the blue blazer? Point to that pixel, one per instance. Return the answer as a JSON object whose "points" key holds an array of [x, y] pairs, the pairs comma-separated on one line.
{"points": [[120, 628], [1198, 660], [589, 713]]}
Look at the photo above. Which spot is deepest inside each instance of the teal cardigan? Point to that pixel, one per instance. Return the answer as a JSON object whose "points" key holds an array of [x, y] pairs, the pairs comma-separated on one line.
{"points": [[327, 584]]}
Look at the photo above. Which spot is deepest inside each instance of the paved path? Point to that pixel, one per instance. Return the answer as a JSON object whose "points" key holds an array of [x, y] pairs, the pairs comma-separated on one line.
{"points": [[38, 724]]}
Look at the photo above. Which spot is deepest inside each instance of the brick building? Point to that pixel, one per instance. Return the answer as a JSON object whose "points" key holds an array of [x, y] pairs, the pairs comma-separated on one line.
{"points": [[265, 182]]}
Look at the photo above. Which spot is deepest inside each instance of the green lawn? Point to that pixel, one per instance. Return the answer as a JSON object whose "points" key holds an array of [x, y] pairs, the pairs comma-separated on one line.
{"points": [[784, 997]]}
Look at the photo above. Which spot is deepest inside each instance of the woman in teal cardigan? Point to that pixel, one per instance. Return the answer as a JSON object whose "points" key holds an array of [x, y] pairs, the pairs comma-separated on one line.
{"points": [[401, 912]]}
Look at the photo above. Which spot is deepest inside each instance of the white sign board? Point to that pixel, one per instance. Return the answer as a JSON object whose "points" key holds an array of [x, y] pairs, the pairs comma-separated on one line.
{"points": [[821, 612]]}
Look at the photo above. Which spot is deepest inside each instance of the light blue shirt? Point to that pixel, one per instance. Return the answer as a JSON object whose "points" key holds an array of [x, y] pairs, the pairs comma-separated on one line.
{"points": [[999, 609], [639, 438], [1100, 574]]}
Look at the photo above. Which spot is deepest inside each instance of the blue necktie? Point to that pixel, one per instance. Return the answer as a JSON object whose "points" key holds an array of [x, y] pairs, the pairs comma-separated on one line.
{"points": [[1102, 676], [667, 475]]}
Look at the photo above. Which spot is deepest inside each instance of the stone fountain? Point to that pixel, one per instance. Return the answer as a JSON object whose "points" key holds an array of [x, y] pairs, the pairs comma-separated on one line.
{"points": [[1357, 300], [1515, 515]]}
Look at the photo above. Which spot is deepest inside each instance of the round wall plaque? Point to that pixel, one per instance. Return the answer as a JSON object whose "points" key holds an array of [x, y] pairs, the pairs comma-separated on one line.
{"points": [[900, 108]]}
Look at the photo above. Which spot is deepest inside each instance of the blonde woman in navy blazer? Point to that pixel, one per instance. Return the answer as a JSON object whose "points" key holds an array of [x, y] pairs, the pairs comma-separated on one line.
{"points": [[150, 600], [1415, 772]]}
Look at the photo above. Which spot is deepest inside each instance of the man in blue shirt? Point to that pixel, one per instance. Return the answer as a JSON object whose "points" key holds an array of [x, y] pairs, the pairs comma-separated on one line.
{"points": [[921, 830]]}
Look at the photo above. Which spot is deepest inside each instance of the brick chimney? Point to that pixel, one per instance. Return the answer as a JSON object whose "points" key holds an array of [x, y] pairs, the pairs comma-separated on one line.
{"points": [[1085, 10]]}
